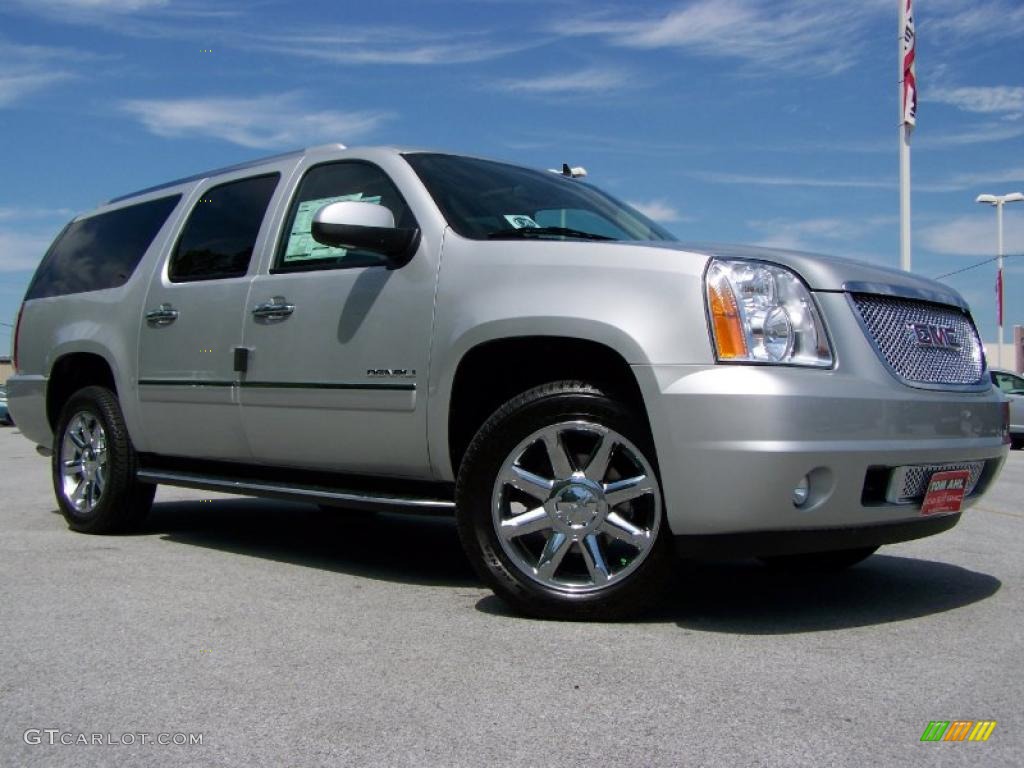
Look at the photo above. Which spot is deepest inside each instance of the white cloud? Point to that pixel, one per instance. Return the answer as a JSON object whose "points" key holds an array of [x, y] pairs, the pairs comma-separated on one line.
{"points": [[16, 213], [115, 6], [657, 210], [272, 121], [380, 46], [813, 37], [14, 86], [951, 183], [824, 233], [1004, 99], [792, 181], [970, 179], [591, 80], [25, 69], [975, 235], [958, 23], [21, 251], [978, 134]]}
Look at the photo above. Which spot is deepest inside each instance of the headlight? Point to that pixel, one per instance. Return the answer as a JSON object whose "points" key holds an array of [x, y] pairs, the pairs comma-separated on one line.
{"points": [[762, 313]]}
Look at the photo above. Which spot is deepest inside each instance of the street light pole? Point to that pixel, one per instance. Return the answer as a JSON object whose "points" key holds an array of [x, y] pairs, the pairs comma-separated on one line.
{"points": [[998, 201]]}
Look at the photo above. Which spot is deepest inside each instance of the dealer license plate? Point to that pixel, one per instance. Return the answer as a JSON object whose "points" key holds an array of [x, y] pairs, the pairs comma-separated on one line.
{"points": [[945, 492]]}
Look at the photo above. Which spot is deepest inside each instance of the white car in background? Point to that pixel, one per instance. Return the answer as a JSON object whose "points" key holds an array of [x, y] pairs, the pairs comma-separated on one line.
{"points": [[1012, 385]]}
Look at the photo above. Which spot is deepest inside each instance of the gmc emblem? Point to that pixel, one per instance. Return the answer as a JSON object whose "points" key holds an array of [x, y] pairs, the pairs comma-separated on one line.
{"points": [[938, 336]]}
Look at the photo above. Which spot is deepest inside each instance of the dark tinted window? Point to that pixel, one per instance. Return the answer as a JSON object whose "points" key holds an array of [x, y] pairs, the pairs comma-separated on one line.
{"points": [[101, 251], [221, 231], [484, 199], [333, 183]]}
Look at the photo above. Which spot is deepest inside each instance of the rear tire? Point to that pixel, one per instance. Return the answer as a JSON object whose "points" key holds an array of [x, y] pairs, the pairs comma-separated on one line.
{"points": [[1017, 443], [820, 562], [94, 466], [578, 469]]}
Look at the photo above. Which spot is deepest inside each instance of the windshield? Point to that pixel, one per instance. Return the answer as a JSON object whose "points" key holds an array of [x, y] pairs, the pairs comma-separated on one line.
{"points": [[483, 199]]}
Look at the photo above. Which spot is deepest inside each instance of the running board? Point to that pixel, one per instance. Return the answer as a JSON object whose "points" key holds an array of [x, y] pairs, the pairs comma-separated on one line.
{"points": [[315, 494]]}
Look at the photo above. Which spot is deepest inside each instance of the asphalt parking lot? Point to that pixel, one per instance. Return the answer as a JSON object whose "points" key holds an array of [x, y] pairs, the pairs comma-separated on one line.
{"points": [[283, 635]]}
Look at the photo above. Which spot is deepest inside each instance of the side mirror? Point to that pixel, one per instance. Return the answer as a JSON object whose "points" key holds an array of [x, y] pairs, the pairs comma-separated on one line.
{"points": [[366, 226]]}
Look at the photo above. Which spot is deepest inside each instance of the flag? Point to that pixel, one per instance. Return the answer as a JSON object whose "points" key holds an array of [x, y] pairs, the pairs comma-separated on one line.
{"points": [[999, 297], [909, 70]]}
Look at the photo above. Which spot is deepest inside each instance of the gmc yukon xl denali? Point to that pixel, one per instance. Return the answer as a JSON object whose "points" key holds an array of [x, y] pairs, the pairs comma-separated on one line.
{"points": [[387, 329]]}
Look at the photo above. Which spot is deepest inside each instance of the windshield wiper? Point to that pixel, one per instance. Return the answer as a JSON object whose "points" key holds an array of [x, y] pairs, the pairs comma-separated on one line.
{"points": [[524, 232]]}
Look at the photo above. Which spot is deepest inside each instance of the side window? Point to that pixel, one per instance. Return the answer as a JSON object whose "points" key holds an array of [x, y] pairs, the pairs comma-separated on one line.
{"points": [[221, 231], [332, 183], [101, 251], [1009, 383]]}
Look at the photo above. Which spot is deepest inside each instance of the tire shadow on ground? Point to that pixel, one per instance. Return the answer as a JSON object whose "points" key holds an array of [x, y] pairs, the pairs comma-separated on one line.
{"points": [[744, 597]]}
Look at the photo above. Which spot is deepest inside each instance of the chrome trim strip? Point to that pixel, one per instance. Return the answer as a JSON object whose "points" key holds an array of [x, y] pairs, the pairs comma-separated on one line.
{"points": [[296, 492], [904, 292], [275, 384]]}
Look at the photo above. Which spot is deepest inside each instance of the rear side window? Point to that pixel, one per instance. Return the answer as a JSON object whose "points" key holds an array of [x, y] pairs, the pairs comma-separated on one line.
{"points": [[221, 231], [101, 251]]}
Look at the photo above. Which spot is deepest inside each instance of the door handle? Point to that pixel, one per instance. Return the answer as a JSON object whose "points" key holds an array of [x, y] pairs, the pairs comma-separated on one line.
{"points": [[277, 308], [165, 315]]}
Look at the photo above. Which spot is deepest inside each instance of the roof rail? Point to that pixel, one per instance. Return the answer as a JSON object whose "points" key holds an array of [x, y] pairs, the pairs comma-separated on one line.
{"points": [[226, 169]]}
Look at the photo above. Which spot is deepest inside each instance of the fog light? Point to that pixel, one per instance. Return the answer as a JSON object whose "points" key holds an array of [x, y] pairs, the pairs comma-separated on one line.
{"points": [[801, 492]]}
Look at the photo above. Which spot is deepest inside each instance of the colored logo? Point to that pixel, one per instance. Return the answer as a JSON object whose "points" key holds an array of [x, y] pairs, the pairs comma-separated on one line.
{"points": [[958, 730]]}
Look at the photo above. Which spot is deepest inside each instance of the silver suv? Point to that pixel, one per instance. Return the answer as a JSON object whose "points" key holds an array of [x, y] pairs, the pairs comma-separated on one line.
{"points": [[402, 330]]}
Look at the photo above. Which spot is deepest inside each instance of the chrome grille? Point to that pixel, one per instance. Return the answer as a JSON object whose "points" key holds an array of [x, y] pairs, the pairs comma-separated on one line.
{"points": [[889, 322], [908, 484]]}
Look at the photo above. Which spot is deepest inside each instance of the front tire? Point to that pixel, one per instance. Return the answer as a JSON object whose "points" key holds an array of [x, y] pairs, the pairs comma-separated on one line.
{"points": [[94, 466], [560, 507]]}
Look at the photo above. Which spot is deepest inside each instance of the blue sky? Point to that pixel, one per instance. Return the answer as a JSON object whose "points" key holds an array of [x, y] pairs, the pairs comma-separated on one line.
{"points": [[760, 121]]}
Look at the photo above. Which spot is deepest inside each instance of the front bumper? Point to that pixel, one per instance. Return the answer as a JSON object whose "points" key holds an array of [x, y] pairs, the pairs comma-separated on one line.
{"points": [[733, 441]]}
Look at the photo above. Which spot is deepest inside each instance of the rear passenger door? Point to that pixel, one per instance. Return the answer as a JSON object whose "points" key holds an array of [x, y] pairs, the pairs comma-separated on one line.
{"points": [[192, 322]]}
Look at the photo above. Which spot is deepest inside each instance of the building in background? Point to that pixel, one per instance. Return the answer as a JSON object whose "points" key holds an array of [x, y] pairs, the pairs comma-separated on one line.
{"points": [[6, 369], [1013, 353]]}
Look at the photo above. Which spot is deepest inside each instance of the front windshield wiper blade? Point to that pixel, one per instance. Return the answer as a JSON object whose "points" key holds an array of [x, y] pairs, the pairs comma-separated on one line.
{"points": [[512, 234]]}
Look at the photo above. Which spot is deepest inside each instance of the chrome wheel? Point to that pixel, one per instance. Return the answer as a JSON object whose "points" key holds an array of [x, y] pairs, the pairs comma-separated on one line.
{"points": [[576, 506], [83, 462]]}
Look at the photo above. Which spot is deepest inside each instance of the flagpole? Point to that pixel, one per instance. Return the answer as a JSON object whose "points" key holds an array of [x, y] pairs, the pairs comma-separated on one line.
{"points": [[904, 140], [999, 280]]}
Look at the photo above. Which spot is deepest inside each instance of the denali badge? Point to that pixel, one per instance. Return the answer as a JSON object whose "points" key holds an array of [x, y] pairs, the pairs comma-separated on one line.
{"points": [[391, 373], [939, 336]]}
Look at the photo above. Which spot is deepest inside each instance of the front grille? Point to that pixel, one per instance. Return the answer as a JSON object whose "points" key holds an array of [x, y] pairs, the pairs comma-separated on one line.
{"points": [[908, 484], [890, 324]]}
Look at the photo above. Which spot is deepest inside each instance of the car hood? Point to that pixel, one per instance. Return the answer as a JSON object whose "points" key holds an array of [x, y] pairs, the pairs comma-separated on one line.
{"points": [[830, 273]]}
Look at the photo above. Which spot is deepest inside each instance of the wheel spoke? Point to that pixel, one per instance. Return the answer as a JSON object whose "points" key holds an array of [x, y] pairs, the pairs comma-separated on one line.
{"points": [[528, 483], [560, 461], [552, 555], [527, 522], [618, 527], [72, 467], [77, 438], [79, 492], [597, 466], [594, 559], [631, 488], [100, 480]]}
